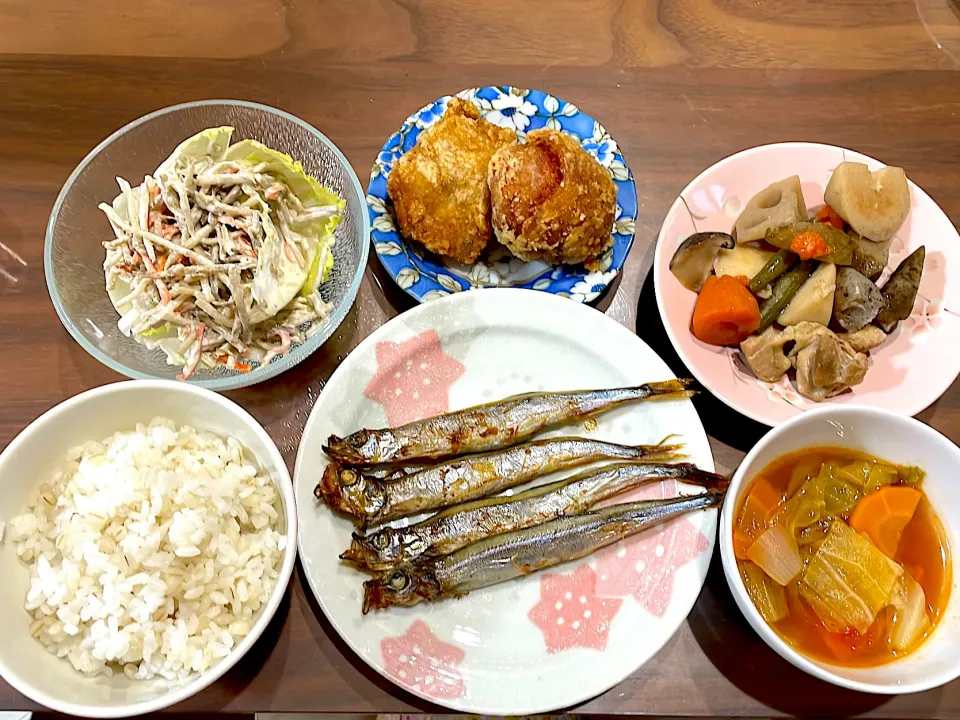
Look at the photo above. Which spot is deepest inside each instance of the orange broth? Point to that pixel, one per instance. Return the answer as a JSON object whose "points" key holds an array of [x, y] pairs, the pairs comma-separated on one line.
{"points": [[923, 551]]}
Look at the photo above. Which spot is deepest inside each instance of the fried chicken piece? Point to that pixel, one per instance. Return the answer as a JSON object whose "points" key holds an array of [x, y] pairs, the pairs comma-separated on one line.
{"points": [[439, 188], [552, 201]]}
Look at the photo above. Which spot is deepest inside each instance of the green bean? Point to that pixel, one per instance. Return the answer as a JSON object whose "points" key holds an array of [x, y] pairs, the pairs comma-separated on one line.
{"points": [[783, 291], [776, 266], [840, 244]]}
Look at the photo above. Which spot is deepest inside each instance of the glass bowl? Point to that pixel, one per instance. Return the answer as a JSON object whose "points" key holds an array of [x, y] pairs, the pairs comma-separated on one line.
{"points": [[73, 254]]}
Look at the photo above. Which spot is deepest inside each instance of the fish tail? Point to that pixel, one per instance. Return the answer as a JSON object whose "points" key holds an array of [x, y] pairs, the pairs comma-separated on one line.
{"points": [[661, 452], [715, 497], [675, 389], [668, 509], [690, 473], [644, 454], [711, 498]]}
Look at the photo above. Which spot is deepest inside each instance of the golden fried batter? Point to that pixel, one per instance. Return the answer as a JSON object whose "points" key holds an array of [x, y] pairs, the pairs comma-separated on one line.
{"points": [[552, 201], [439, 188]]}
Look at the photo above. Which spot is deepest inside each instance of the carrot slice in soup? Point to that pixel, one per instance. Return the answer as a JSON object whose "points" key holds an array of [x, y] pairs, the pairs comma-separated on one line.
{"points": [[761, 502], [725, 313], [884, 514]]}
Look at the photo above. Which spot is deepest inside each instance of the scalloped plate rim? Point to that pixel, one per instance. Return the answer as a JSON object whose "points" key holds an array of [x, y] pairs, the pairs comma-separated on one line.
{"points": [[575, 273], [660, 269]]}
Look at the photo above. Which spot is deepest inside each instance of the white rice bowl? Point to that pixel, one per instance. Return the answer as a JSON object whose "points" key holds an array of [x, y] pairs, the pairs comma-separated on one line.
{"points": [[151, 552], [149, 560]]}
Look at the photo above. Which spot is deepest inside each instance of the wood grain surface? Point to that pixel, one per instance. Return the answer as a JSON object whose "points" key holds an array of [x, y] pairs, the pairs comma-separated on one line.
{"points": [[679, 83]]}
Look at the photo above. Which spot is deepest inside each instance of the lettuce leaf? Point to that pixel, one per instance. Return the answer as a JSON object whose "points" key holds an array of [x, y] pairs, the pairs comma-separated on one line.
{"points": [[317, 274], [274, 290], [308, 189], [213, 142]]}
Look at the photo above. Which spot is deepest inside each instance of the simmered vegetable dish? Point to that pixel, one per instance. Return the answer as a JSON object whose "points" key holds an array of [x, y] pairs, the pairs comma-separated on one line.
{"points": [[798, 294], [843, 556]]}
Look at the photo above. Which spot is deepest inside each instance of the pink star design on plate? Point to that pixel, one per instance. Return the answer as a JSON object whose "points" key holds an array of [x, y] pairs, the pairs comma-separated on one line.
{"points": [[644, 565], [420, 661], [413, 378], [570, 614]]}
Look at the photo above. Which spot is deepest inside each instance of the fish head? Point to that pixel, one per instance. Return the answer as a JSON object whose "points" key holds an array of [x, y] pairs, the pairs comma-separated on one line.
{"points": [[349, 491], [364, 447], [383, 549], [404, 585]]}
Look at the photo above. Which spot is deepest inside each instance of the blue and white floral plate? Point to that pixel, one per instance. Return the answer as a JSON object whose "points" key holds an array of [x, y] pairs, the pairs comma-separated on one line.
{"points": [[425, 276]]}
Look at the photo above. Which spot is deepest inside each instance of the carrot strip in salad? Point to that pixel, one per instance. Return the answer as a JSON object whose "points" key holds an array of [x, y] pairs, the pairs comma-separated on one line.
{"points": [[161, 285]]}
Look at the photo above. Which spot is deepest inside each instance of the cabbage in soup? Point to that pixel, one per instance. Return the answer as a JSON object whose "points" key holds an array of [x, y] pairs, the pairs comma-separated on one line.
{"points": [[843, 555]]}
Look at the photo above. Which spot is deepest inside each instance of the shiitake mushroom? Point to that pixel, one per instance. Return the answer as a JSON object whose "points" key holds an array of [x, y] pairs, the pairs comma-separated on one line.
{"points": [[692, 262]]}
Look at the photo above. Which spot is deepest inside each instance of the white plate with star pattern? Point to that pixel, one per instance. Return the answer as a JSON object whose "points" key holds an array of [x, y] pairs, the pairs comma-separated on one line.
{"points": [[552, 639]]}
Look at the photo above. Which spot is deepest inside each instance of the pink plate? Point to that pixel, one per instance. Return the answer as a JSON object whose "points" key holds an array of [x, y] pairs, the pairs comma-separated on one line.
{"points": [[916, 364]]}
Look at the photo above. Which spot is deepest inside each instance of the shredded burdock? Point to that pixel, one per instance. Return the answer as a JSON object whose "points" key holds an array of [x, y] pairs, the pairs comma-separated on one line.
{"points": [[220, 255]]}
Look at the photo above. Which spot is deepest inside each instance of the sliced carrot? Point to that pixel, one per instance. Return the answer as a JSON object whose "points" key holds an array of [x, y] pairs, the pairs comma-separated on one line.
{"points": [[828, 215], [809, 245], [761, 503], [243, 367], [846, 646], [726, 312], [763, 496], [884, 514], [843, 646], [741, 543]]}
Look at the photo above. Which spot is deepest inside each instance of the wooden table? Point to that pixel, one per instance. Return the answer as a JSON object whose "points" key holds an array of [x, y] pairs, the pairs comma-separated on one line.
{"points": [[680, 84]]}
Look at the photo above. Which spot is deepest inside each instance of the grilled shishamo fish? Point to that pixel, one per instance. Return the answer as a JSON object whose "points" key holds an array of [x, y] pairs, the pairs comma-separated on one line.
{"points": [[392, 472], [461, 525], [373, 501], [511, 555], [490, 426]]}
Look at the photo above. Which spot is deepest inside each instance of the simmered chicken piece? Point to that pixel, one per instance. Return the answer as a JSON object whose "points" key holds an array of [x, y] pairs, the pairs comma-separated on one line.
{"points": [[765, 354], [865, 339], [826, 365]]}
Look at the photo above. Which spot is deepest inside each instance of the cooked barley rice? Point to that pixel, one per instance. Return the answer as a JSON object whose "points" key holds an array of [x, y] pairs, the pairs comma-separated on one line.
{"points": [[150, 553]]}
